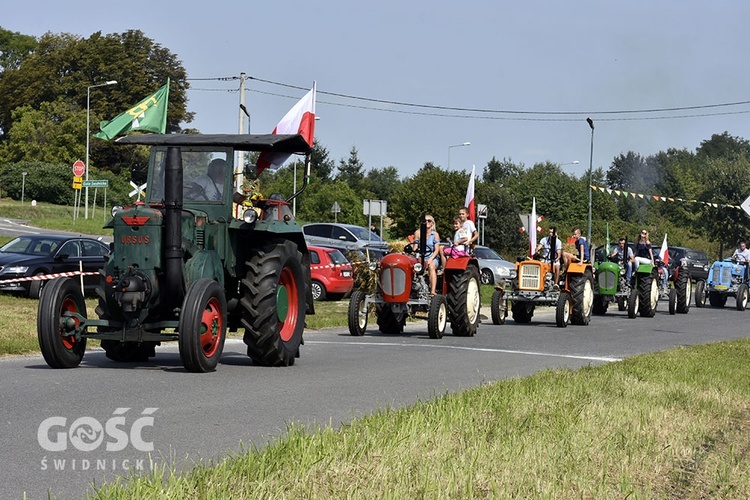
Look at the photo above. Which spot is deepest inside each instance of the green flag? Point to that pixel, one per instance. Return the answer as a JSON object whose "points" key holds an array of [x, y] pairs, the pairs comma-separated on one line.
{"points": [[150, 114]]}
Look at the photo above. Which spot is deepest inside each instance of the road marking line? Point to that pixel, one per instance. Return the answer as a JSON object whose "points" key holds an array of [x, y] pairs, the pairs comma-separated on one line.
{"points": [[479, 349]]}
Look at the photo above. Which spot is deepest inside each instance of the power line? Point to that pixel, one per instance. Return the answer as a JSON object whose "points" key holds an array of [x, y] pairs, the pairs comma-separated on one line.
{"points": [[515, 113]]}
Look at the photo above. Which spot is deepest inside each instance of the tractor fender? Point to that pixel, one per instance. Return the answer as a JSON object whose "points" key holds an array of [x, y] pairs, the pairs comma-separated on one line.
{"points": [[204, 264]]}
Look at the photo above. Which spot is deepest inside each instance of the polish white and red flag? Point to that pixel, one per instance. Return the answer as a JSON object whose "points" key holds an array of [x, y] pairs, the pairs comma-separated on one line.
{"points": [[469, 202], [299, 120], [664, 252]]}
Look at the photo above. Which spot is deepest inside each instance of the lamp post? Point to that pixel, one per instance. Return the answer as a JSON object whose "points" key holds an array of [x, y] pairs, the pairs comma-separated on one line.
{"points": [[88, 119], [591, 166], [455, 146], [574, 162]]}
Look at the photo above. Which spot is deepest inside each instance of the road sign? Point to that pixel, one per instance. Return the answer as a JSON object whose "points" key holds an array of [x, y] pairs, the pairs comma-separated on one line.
{"points": [[77, 184], [336, 208], [481, 211], [375, 207], [746, 205], [139, 190], [79, 168], [101, 183]]}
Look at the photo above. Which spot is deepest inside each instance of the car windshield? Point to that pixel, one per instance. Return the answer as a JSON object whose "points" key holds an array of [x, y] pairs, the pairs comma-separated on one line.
{"points": [[697, 256], [30, 246], [337, 257], [364, 234], [486, 253]]}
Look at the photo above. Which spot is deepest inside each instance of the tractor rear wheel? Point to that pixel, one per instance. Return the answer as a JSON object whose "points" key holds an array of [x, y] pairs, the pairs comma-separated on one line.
{"points": [[700, 294], [389, 321], [203, 326], [498, 307], [437, 317], [522, 311], [59, 349], [564, 309], [582, 291], [464, 302], [357, 314], [648, 295], [684, 286], [633, 303], [273, 304], [742, 297]]}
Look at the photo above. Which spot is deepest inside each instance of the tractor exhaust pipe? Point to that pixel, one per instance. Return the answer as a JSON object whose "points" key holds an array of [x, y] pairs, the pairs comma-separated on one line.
{"points": [[174, 282]]}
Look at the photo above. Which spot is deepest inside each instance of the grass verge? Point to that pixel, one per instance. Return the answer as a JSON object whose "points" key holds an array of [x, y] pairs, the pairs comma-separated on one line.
{"points": [[665, 425]]}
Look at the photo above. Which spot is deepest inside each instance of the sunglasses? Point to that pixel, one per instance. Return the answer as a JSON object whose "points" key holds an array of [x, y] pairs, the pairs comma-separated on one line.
{"points": [[429, 220], [644, 232]]}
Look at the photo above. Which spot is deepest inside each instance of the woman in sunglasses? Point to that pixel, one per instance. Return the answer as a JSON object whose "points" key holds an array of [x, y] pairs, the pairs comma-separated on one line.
{"points": [[644, 254]]}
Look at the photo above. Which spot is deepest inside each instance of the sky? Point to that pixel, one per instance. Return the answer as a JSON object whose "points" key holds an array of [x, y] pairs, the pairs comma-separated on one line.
{"points": [[535, 70]]}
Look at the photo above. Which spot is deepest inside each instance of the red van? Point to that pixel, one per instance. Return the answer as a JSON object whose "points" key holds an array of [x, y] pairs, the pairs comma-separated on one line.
{"points": [[331, 273]]}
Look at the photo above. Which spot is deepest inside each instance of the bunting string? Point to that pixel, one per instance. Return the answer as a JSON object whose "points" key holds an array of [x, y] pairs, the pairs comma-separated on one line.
{"points": [[665, 199]]}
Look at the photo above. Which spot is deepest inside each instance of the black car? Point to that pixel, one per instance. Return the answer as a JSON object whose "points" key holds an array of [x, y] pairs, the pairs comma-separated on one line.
{"points": [[697, 261], [42, 254]]}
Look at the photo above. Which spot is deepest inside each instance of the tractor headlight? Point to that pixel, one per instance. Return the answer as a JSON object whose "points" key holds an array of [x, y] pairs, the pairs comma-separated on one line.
{"points": [[116, 209], [250, 216], [418, 267], [513, 274], [373, 265]]}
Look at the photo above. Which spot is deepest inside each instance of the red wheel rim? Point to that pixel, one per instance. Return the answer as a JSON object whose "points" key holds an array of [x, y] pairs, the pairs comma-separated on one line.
{"points": [[288, 287], [212, 324], [69, 341]]}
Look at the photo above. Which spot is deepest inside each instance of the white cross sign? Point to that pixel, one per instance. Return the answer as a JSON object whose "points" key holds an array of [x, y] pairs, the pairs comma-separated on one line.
{"points": [[139, 190]]}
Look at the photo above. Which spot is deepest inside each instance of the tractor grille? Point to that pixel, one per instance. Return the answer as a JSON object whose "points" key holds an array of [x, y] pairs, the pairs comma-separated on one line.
{"points": [[607, 279], [531, 277], [200, 237], [721, 274], [393, 280]]}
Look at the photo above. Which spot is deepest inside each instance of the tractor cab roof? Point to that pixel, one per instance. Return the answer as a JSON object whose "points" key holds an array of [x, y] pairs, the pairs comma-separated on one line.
{"points": [[277, 143]]}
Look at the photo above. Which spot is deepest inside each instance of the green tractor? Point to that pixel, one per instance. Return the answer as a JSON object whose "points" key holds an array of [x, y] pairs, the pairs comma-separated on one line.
{"points": [[186, 265], [612, 286]]}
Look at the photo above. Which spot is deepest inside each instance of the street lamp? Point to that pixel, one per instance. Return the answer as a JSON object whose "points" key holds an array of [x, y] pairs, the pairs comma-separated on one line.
{"points": [[574, 162], [591, 166], [455, 146], [88, 119]]}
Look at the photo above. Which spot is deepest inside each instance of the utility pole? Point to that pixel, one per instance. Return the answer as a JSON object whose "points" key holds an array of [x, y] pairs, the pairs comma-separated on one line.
{"points": [[239, 168]]}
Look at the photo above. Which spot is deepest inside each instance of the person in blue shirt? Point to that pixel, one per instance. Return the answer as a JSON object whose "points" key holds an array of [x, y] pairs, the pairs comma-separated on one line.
{"points": [[582, 246]]}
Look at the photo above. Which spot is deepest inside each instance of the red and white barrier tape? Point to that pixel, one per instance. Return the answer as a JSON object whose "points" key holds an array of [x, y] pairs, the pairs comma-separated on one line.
{"points": [[47, 277]]}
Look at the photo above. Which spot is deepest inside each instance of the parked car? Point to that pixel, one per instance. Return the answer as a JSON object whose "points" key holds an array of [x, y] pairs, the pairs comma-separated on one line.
{"points": [[331, 273], [697, 261], [41, 254], [492, 267], [345, 237]]}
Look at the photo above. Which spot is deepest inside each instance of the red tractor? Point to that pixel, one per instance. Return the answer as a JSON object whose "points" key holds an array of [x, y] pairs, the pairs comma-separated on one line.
{"points": [[403, 290]]}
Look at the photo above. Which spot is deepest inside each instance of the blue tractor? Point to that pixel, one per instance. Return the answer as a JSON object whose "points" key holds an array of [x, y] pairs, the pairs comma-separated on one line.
{"points": [[726, 278]]}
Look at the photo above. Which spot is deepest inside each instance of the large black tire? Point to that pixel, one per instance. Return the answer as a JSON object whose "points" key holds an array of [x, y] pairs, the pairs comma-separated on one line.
{"points": [[600, 305], [684, 286], [437, 317], [464, 302], [633, 303], [498, 307], [582, 291], [700, 294], [741, 297], [487, 277], [564, 309], [318, 290], [622, 303], [58, 297], [717, 299], [273, 304], [357, 314], [388, 321], [522, 311], [203, 326], [648, 295]]}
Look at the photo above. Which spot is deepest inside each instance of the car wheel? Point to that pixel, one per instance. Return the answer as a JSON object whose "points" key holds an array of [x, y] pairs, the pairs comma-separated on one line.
{"points": [[487, 277], [318, 290]]}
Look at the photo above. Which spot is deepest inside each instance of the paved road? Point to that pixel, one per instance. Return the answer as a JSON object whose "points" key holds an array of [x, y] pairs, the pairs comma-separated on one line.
{"points": [[338, 377]]}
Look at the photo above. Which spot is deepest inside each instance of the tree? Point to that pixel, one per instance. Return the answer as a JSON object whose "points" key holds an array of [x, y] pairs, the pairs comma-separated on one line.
{"points": [[723, 146], [382, 182], [320, 164], [501, 227], [351, 171], [499, 171], [14, 47]]}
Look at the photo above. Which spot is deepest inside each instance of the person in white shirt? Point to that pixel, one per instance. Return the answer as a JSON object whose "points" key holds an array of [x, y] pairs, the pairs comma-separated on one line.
{"points": [[544, 249], [742, 254], [469, 226], [210, 186]]}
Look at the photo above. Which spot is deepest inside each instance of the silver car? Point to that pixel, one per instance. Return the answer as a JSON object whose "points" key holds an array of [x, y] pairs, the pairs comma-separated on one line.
{"points": [[493, 268], [345, 237]]}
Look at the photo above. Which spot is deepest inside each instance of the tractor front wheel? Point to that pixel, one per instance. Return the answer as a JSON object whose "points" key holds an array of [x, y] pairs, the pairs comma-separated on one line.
{"points": [[700, 294], [55, 329], [498, 307], [742, 297], [633, 303], [672, 300], [273, 304], [357, 314], [203, 326], [564, 309], [437, 317], [684, 286]]}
